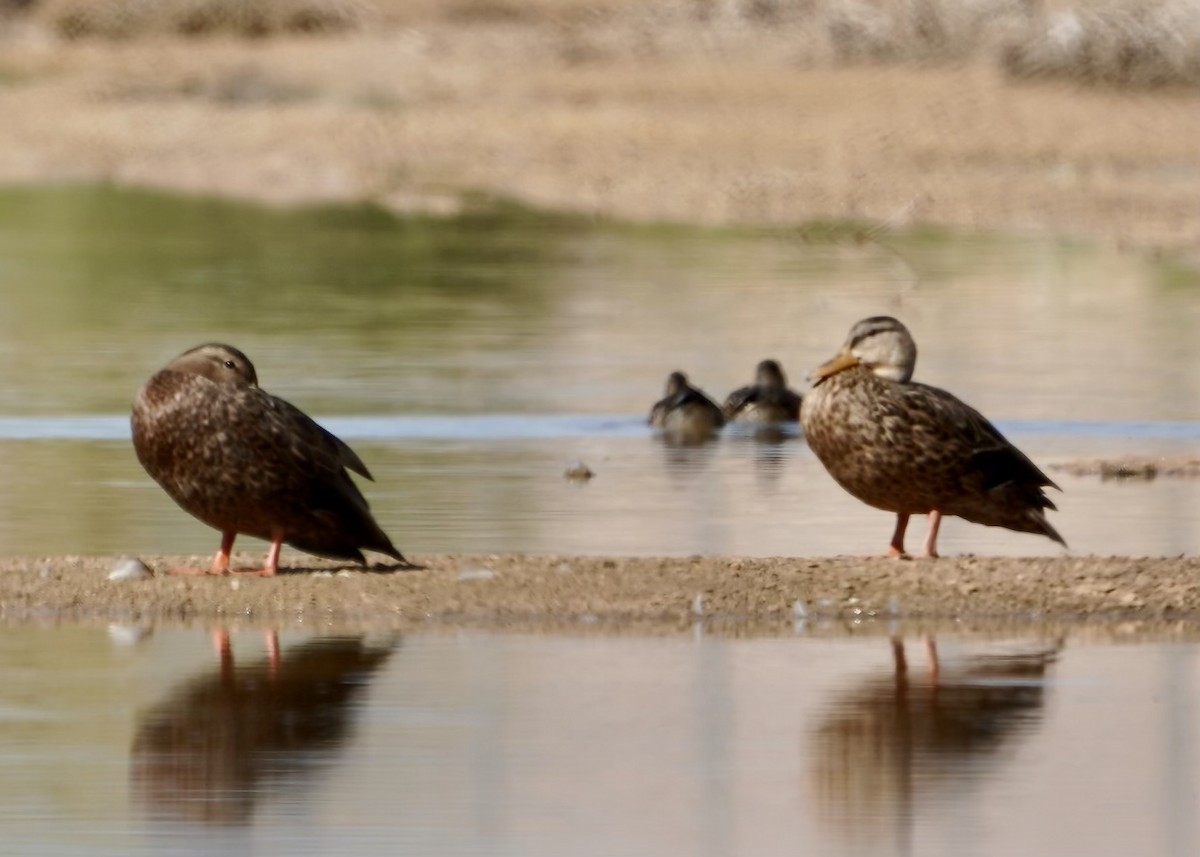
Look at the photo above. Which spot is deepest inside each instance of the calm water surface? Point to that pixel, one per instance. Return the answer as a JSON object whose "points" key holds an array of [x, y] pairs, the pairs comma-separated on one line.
{"points": [[492, 744], [471, 360]]}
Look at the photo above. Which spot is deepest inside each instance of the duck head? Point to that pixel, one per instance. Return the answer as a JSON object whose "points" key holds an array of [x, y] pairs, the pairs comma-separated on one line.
{"points": [[222, 364], [770, 374], [880, 343], [677, 382]]}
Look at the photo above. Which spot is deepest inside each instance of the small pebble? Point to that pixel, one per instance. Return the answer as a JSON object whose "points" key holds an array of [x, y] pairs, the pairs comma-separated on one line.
{"points": [[130, 568], [577, 471]]}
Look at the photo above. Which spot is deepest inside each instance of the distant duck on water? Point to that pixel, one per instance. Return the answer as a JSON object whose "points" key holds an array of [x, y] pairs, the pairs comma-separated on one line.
{"points": [[913, 449], [685, 413], [244, 461], [767, 400]]}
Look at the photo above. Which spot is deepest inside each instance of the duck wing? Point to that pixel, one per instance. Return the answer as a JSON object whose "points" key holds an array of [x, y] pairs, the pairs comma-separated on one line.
{"points": [[992, 481], [320, 439], [313, 462], [739, 399], [990, 452]]}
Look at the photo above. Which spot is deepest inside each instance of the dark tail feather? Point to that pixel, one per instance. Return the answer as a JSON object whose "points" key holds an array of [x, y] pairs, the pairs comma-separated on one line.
{"points": [[1044, 527], [405, 564]]}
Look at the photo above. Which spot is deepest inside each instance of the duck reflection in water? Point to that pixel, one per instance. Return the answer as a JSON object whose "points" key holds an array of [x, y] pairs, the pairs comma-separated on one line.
{"points": [[223, 739], [903, 741]]}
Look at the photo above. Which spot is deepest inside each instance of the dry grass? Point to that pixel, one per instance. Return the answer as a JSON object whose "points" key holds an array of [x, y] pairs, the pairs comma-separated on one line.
{"points": [[127, 19], [1125, 45], [680, 110], [919, 30]]}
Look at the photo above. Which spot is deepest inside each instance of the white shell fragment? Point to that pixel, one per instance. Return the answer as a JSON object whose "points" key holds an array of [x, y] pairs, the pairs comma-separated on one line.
{"points": [[476, 574], [130, 568]]}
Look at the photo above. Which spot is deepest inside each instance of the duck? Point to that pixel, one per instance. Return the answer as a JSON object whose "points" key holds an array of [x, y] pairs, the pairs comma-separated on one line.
{"points": [[685, 413], [913, 449], [246, 462], [767, 400]]}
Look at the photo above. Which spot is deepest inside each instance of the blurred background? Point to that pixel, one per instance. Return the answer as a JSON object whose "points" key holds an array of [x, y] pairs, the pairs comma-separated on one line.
{"points": [[1076, 118]]}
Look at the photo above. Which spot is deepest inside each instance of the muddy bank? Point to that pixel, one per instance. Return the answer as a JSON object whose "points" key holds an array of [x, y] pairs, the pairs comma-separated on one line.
{"points": [[1135, 467], [515, 590]]}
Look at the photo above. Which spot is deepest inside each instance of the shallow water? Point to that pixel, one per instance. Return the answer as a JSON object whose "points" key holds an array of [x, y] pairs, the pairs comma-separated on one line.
{"points": [[472, 360], [484, 743]]}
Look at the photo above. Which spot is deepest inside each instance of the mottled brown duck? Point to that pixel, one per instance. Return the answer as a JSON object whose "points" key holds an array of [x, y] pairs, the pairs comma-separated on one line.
{"points": [[685, 413], [767, 400], [244, 461], [913, 449]]}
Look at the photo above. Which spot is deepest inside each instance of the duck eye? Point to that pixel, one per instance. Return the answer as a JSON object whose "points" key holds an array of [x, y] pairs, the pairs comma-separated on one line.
{"points": [[229, 364]]}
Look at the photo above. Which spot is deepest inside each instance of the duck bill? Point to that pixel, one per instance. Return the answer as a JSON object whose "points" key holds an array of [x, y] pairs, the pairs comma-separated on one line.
{"points": [[831, 367]]}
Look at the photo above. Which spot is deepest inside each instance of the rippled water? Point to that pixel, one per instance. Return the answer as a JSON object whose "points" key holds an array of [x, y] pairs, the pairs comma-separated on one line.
{"points": [[480, 743], [472, 360]]}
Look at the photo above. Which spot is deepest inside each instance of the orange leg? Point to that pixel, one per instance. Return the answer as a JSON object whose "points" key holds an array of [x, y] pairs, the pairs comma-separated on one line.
{"points": [[220, 563], [896, 548], [935, 521], [272, 565]]}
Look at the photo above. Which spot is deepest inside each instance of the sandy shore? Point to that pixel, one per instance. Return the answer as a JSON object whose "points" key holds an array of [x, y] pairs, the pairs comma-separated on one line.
{"points": [[625, 117], [664, 593]]}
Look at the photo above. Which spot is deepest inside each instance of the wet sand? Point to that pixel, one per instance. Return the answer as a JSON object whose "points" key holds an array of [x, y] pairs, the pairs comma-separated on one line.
{"points": [[527, 590]]}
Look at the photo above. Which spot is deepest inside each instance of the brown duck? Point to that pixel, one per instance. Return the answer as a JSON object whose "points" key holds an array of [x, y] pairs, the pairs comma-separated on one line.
{"points": [[767, 400], [244, 461], [685, 413], [913, 449]]}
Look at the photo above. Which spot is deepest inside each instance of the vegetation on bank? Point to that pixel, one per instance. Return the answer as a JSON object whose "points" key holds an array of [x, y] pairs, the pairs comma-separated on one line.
{"points": [[1121, 43]]}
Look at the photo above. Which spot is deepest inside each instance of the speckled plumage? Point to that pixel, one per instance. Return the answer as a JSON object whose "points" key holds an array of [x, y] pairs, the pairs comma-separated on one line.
{"points": [[244, 461], [767, 400], [685, 412], [910, 448]]}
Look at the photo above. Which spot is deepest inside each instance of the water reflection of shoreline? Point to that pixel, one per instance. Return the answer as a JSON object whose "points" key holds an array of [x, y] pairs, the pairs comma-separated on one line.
{"points": [[896, 741], [223, 739]]}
